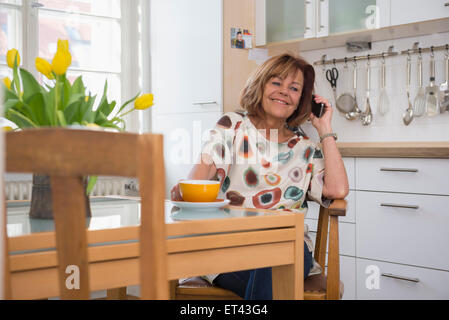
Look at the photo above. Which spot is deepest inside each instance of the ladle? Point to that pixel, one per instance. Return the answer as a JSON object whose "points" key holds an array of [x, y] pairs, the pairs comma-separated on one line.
{"points": [[367, 116], [407, 117]]}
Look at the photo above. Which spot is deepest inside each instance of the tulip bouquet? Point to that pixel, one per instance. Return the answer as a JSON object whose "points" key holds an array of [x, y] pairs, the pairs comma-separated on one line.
{"points": [[29, 104]]}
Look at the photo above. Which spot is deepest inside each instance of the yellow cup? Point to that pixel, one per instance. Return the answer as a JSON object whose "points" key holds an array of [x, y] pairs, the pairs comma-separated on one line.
{"points": [[199, 190]]}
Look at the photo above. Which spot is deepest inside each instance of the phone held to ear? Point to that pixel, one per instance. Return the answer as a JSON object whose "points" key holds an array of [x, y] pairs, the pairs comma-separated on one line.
{"points": [[317, 108]]}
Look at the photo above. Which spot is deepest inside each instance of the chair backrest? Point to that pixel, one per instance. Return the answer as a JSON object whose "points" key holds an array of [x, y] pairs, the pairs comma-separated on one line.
{"points": [[68, 155]]}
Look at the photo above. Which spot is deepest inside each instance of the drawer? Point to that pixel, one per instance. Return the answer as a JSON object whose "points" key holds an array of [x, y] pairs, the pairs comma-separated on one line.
{"points": [[399, 282], [415, 236], [346, 232], [428, 176], [314, 209], [350, 171]]}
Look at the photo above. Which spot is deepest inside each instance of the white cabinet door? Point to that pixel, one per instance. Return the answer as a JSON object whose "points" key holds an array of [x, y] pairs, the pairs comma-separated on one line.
{"points": [[403, 228], [390, 281], [183, 134], [409, 11], [186, 50]]}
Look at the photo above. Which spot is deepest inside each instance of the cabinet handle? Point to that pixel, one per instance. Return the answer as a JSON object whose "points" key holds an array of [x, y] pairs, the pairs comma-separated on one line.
{"points": [[399, 169], [389, 275], [405, 206], [203, 103]]}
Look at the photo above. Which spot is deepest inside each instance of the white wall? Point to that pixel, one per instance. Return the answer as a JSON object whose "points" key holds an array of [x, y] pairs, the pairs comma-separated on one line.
{"points": [[389, 127]]}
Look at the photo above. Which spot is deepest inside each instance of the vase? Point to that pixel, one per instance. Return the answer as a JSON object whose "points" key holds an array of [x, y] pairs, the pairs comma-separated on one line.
{"points": [[41, 199]]}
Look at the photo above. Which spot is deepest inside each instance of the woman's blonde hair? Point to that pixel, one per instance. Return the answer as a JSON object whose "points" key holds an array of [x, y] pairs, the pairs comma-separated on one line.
{"points": [[279, 66]]}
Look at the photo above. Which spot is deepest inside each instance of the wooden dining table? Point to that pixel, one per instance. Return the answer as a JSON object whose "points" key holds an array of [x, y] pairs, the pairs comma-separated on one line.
{"points": [[200, 241]]}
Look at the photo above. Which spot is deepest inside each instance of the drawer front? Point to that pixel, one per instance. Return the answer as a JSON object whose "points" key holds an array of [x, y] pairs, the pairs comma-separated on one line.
{"points": [[416, 235], [346, 233], [428, 176], [350, 171], [314, 209], [399, 282]]}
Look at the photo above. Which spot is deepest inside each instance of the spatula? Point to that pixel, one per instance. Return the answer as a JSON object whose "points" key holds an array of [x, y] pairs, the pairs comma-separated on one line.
{"points": [[444, 88], [432, 91]]}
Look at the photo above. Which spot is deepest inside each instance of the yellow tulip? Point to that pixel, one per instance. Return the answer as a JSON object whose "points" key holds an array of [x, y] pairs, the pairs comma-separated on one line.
{"points": [[62, 59], [144, 101], [44, 67], [7, 82], [63, 45], [11, 56]]}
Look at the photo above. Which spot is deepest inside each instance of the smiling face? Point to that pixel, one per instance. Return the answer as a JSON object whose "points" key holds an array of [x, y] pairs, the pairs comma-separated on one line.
{"points": [[281, 96]]}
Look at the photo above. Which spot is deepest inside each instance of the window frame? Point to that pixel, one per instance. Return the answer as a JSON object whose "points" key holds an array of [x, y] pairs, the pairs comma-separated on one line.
{"points": [[135, 58]]}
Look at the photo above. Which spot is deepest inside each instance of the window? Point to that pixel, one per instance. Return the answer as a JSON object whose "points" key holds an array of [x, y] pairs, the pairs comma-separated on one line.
{"points": [[104, 41]]}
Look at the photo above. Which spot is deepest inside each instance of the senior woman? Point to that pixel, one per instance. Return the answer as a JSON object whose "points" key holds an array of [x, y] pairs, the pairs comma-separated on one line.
{"points": [[263, 160]]}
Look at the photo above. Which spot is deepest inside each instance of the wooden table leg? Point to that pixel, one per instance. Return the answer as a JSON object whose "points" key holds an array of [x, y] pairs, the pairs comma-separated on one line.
{"points": [[116, 294], [288, 280]]}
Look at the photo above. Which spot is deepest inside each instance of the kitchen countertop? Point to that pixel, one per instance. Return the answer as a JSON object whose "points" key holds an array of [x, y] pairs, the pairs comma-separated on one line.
{"points": [[408, 149]]}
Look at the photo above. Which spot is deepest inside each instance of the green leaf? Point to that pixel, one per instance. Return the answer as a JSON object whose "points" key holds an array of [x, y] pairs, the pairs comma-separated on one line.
{"points": [[78, 86], [49, 110], [72, 111], [91, 184], [127, 102], [86, 113], [11, 103], [61, 118], [66, 92], [19, 119], [30, 85], [9, 94], [37, 106]]}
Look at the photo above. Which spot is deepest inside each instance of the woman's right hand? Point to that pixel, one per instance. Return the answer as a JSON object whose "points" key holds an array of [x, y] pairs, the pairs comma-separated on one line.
{"points": [[175, 193]]}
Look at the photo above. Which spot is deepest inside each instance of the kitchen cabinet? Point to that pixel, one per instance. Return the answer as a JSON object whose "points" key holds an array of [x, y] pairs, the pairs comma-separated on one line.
{"points": [[397, 219], [285, 20], [186, 69], [183, 135], [399, 282], [410, 11], [186, 56]]}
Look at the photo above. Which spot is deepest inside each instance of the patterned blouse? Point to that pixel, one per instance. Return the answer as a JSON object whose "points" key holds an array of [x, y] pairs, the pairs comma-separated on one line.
{"points": [[258, 173]]}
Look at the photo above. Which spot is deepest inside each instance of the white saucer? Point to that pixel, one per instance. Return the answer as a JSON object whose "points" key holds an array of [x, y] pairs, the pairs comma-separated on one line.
{"points": [[201, 205]]}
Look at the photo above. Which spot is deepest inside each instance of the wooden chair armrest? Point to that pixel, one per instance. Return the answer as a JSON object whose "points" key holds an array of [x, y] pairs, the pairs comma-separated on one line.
{"points": [[338, 208]]}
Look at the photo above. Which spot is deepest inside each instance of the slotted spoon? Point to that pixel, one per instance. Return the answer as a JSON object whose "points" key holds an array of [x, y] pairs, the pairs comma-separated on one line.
{"points": [[432, 91], [367, 116], [419, 105]]}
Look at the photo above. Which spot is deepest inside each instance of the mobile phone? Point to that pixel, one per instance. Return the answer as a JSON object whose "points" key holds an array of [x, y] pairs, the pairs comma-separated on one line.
{"points": [[317, 108]]}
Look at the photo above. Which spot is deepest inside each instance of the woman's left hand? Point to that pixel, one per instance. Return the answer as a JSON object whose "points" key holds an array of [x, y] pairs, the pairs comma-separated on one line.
{"points": [[324, 124]]}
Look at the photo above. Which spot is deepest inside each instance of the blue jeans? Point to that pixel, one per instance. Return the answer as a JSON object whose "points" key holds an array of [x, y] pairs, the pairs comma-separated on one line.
{"points": [[256, 284]]}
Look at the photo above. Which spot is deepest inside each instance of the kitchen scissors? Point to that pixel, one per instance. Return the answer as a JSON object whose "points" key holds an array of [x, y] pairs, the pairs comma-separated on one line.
{"points": [[332, 76]]}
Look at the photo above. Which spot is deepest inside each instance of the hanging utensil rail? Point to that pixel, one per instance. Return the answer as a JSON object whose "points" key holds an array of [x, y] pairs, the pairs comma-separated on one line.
{"points": [[383, 55]]}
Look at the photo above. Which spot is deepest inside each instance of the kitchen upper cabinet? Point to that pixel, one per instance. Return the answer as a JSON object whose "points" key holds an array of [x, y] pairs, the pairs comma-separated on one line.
{"points": [[409, 11], [284, 20], [186, 55]]}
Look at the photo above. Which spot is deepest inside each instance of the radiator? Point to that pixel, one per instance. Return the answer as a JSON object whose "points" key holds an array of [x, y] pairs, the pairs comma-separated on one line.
{"points": [[21, 190]]}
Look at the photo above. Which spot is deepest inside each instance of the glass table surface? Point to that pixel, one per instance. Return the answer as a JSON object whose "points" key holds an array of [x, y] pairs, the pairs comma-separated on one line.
{"points": [[112, 212]]}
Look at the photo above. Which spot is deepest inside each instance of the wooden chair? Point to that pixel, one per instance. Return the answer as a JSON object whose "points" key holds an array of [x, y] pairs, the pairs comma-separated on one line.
{"points": [[68, 155], [316, 287]]}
